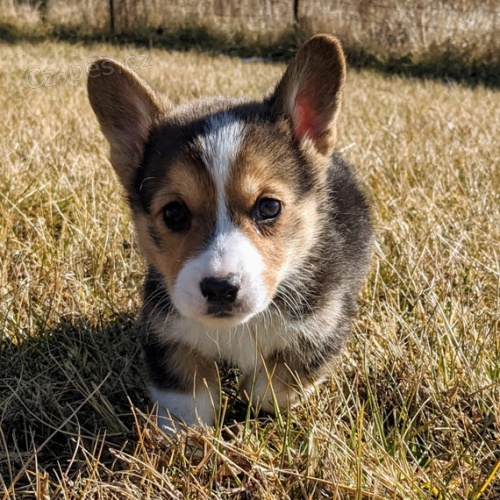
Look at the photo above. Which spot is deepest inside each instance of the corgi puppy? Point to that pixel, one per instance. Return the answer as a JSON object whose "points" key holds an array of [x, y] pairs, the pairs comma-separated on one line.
{"points": [[256, 234]]}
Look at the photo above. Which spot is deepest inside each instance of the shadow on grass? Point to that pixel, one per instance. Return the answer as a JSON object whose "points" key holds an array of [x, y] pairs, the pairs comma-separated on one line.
{"points": [[65, 392], [68, 395], [443, 63], [439, 63]]}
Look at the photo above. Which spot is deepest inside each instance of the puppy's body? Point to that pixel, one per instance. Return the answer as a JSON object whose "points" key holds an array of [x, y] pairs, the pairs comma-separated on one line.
{"points": [[257, 236]]}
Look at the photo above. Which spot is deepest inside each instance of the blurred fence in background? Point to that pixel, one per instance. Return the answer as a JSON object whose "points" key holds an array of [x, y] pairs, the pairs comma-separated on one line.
{"points": [[425, 32]]}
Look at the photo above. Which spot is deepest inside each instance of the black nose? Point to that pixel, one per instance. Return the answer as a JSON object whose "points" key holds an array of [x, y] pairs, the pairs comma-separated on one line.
{"points": [[220, 290]]}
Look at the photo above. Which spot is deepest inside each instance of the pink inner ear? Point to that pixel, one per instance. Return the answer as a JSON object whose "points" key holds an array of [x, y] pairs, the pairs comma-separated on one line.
{"points": [[307, 119]]}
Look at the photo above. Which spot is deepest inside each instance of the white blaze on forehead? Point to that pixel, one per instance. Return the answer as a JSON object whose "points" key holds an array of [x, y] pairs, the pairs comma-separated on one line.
{"points": [[220, 145], [230, 251]]}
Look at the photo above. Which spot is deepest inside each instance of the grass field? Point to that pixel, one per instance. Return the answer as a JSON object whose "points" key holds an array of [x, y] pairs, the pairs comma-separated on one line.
{"points": [[413, 410]]}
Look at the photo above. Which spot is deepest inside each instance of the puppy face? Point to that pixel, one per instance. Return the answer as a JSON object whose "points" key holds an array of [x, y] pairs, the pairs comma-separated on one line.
{"points": [[225, 194], [224, 214]]}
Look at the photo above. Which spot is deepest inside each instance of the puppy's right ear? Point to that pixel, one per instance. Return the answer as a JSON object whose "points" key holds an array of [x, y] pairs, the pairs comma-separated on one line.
{"points": [[310, 92], [126, 107]]}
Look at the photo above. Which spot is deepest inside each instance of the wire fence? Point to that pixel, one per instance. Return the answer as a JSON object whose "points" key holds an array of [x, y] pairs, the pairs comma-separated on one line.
{"points": [[472, 17], [465, 33]]}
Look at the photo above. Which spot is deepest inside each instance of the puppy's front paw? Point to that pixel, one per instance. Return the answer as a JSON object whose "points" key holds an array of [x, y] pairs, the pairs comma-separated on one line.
{"points": [[275, 387], [192, 409]]}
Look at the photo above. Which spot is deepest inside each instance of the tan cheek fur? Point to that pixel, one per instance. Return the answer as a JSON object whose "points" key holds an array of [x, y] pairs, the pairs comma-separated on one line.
{"points": [[171, 250], [283, 244]]}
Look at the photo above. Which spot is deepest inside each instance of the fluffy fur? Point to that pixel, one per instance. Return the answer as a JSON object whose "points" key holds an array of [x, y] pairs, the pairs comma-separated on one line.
{"points": [[257, 236]]}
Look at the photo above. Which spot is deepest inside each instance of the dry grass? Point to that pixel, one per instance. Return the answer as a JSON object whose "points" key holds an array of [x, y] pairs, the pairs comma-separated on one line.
{"points": [[413, 411]]}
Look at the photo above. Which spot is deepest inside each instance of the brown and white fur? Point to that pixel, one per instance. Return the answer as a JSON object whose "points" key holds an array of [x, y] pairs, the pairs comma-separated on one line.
{"points": [[257, 236]]}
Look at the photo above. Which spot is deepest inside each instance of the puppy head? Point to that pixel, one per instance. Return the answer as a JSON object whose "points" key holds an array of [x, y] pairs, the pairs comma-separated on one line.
{"points": [[225, 194]]}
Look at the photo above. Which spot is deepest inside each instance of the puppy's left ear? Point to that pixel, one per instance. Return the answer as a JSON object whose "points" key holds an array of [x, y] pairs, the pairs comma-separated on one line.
{"points": [[310, 92], [126, 108]]}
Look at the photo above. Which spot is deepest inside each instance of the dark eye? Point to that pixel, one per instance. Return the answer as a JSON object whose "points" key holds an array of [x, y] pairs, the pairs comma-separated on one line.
{"points": [[267, 209], [177, 216]]}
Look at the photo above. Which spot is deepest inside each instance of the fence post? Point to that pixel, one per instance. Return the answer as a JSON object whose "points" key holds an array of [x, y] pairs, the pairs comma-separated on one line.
{"points": [[43, 6], [112, 16], [296, 13]]}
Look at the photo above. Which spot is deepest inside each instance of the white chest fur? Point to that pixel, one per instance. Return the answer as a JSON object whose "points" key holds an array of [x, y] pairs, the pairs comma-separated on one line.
{"points": [[243, 345]]}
